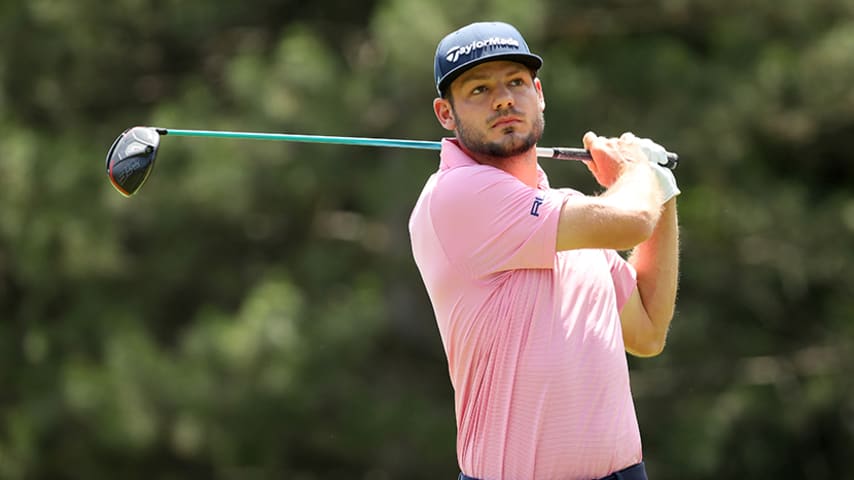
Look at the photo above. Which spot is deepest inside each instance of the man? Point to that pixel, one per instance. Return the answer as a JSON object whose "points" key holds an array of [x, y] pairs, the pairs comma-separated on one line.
{"points": [[534, 306]]}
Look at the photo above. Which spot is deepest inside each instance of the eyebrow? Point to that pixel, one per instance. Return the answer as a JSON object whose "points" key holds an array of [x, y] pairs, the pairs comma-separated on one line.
{"points": [[474, 77]]}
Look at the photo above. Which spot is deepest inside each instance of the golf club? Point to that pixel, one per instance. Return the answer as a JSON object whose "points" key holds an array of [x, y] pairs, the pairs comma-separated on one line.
{"points": [[131, 158]]}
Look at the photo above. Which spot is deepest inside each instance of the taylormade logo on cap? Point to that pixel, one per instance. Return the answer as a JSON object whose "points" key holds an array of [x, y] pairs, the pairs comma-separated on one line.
{"points": [[456, 51]]}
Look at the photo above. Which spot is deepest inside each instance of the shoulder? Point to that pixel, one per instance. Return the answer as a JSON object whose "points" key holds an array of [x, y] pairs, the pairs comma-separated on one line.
{"points": [[474, 180], [480, 193]]}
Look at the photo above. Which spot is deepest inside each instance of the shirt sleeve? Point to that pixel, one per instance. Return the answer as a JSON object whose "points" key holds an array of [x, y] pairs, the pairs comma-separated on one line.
{"points": [[488, 221], [624, 276]]}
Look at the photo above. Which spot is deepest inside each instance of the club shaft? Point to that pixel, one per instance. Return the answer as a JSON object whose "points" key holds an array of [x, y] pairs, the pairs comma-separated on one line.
{"points": [[577, 153], [362, 141], [562, 153]]}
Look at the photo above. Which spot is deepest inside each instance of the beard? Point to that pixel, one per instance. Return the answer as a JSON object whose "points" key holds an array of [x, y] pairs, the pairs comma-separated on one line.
{"points": [[510, 145]]}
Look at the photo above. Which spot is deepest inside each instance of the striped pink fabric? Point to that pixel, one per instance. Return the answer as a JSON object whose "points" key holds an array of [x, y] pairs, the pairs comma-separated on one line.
{"points": [[532, 337]]}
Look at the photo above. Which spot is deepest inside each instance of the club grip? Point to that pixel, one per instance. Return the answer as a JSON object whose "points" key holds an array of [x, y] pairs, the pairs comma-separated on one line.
{"points": [[570, 153]]}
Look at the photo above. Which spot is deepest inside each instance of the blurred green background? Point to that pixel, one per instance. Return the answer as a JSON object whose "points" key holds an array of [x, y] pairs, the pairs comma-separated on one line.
{"points": [[255, 312]]}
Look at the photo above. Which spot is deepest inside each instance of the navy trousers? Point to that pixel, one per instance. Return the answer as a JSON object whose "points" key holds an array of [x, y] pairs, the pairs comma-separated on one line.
{"points": [[635, 472]]}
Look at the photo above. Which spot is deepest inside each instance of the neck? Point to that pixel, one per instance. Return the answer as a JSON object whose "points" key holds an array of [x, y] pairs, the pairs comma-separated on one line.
{"points": [[522, 166]]}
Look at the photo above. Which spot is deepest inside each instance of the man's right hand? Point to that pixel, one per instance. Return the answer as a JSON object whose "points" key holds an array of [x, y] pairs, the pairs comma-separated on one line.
{"points": [[612, 155], [623, 216]]}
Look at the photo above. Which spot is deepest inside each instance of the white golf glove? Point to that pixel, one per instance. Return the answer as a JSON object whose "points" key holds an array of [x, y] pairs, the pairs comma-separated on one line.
{"points": [[657, 155]]}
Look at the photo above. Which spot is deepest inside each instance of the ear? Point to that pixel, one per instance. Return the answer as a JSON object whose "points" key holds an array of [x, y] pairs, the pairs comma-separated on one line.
{"points": [[539, 86], [442, 109]]}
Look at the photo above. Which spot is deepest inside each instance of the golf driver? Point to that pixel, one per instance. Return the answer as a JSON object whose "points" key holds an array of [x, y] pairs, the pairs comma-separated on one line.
{"points": [[131, 158]]}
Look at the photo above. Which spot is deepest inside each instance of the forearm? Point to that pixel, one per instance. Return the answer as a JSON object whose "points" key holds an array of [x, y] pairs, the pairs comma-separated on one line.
{"points": [[636, 193], [619, 219], [656, 261]]}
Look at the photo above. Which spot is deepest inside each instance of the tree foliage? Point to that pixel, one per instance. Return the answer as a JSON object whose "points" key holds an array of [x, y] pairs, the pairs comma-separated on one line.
{"points": [[255, 311]]}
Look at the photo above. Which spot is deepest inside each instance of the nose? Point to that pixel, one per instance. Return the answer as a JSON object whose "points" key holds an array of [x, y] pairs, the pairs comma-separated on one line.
{"points": [[503, 99]]}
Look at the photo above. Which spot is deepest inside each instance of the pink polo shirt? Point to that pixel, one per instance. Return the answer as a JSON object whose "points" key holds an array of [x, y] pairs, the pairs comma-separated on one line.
{"points": [[532, 336]]}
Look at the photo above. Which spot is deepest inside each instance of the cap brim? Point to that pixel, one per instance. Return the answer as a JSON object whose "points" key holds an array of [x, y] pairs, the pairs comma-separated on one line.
{"points": [[530, 60]]}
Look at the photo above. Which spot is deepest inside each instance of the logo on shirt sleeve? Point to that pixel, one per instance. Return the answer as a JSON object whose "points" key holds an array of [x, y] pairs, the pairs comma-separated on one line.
{"points": [[535, 208]]}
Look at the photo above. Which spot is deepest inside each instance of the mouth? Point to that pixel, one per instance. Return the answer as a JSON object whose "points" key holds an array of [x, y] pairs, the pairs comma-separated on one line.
{"points": [[504, 122]]}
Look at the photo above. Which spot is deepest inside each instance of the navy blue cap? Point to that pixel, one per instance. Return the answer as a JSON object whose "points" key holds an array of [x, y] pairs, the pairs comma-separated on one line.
{"points": [[477, 43]]}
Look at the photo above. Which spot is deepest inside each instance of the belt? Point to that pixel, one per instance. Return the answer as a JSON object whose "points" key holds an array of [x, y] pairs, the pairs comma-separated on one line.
{"points": [[635, 472]]}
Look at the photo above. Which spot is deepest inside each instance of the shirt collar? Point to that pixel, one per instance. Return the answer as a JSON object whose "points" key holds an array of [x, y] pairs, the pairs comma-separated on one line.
{"points": [[453, 156]]}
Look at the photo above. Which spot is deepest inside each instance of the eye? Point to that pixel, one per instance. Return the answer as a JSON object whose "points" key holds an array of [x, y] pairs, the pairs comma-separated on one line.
{"points": [[478, 90], [517, 82]]}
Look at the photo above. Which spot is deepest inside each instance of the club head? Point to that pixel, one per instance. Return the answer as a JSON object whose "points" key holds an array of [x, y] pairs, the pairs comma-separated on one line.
{"points": [[131, 159]]}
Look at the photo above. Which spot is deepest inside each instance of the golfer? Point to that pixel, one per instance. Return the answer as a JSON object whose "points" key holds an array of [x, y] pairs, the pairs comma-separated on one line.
{"points": [[535, 307]]}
